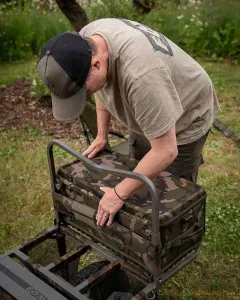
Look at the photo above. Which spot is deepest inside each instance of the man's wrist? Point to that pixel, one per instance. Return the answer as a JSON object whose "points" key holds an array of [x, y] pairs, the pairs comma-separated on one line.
{"points": [[121, 197], [102, 135], [102, 109]]}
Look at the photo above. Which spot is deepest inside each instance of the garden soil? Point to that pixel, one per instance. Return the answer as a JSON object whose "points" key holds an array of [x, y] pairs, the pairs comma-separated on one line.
{"points": [[18, 110]]}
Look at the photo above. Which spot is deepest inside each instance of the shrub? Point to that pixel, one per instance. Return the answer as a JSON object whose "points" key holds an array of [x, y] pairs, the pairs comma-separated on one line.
{"points": [[202, 28], [113, 9], [23, 31]]}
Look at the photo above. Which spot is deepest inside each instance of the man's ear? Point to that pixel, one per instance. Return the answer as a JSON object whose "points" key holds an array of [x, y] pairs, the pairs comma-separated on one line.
{"points": [[95, 63]]}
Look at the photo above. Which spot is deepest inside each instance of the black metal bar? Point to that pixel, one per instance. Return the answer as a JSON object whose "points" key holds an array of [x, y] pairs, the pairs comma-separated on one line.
{"points": [[69, 257], [97, 247], [167, 275], [44, 235], [61, 244], [115, 249], [98, 276], [157, 284], [85, 132]]}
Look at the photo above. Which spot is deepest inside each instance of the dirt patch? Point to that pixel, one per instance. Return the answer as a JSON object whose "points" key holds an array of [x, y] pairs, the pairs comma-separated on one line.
{"points": [[18, 110]]}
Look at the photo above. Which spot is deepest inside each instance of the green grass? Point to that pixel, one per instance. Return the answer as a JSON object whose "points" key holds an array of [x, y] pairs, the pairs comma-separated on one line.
{"points": [[226, 79], [10, 72], [26, 205]]}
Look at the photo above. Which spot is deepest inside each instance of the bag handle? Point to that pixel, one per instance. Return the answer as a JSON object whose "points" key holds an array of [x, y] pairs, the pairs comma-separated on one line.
{"points": [[184, 238]]}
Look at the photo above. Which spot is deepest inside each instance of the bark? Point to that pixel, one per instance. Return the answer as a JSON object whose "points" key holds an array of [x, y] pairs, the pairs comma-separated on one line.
{"points": [[144, 5], [74, 12]]}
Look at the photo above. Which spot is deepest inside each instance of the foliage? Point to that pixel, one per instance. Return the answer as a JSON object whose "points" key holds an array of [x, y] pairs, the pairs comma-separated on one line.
{"points": [[112, 9], [202, 28], [205, 28], [23, 30]]}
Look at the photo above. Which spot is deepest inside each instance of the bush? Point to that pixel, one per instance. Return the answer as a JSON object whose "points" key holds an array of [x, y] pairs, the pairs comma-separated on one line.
{"points": [[113, 9], [23, 30], [202, 28]]}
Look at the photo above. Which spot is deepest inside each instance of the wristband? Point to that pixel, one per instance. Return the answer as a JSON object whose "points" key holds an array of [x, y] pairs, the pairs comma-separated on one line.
{"points": [[101, 109], [117, 194]]}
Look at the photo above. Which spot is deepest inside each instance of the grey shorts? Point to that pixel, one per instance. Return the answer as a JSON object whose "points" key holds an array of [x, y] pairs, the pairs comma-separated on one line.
{"points": [[185, 165]]}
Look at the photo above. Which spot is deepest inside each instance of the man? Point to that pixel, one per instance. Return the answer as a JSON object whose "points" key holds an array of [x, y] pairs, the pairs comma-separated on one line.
{"points": [[146, 82]]}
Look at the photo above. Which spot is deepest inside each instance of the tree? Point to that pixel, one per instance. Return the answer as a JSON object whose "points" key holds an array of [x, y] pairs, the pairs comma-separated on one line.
{"points": [[144, 5], [73, 11]]}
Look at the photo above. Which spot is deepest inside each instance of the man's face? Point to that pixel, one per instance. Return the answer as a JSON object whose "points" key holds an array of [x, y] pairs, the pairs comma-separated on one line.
{"points": [[95, 83]]}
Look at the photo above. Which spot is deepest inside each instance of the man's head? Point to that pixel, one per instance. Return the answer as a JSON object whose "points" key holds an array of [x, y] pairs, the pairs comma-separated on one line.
{"points": [[71, 67]]}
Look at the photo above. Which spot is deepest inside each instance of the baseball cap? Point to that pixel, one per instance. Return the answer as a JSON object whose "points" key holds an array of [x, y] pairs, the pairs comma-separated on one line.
{"points": [[63, 66]]}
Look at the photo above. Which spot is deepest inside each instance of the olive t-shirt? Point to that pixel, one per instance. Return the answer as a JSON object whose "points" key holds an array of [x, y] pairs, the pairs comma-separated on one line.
{"points": [[152, 84]]}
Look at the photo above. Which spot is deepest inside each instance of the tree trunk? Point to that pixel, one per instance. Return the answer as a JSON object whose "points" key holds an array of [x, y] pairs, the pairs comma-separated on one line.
{"points": [[144, 5], [73, 11]]}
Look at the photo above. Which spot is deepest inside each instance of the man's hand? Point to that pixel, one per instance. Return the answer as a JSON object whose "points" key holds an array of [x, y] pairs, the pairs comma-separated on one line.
{"points": [[109, 205], [97, 146]]}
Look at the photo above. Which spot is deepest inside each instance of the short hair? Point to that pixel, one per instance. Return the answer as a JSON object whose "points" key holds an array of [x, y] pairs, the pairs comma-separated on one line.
{"points": [[92, 45]]}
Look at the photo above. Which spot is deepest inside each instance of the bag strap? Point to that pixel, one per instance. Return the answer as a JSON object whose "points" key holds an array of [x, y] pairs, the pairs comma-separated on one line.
{"points": [[184, 238]]}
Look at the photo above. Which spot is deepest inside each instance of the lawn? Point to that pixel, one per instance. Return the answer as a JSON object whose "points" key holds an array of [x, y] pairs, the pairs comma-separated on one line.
{"points": [[26, 205]]}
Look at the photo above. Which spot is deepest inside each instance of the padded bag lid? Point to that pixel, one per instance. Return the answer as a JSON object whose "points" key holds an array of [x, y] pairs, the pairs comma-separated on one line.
{"points": [[175, 194]]}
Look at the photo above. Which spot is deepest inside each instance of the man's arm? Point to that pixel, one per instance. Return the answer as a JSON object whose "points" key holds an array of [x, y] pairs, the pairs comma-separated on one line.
{"points": [[103, 123], [103, 120], [163, 152]]}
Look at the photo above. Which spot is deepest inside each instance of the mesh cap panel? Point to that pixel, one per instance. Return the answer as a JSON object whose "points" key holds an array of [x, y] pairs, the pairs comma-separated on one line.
{"points": [[72, 53]]}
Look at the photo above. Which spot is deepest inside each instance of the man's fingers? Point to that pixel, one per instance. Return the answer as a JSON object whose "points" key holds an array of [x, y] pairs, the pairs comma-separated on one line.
{"points": [[99, 212], [100, 216], [110, 219], [89, 150], [94, 152], [104, 219], [104, 188]]}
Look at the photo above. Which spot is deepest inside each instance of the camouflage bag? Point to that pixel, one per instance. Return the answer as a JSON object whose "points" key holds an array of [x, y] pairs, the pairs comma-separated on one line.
{"points": [[181, 216]]}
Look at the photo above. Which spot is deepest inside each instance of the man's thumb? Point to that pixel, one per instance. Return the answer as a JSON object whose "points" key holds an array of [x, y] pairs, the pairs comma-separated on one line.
{"points": [[104, 189]]}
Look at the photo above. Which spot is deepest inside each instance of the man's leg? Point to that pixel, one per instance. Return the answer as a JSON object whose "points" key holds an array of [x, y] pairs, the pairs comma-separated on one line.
{"points": [[185, 165]]}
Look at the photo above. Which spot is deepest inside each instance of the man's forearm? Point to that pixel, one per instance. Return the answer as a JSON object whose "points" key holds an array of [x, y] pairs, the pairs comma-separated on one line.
{"points": [[103, 120], [150, 165]]}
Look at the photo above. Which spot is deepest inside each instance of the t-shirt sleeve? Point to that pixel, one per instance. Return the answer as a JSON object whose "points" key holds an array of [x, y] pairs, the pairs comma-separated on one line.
{"points": [[155, 102]]}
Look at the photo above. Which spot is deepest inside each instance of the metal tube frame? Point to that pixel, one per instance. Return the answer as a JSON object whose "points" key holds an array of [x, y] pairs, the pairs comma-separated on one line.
{"points": [[102, 169]]}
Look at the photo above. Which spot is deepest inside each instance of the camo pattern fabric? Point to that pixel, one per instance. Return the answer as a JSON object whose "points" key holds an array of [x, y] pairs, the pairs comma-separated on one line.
{"points": [[175, 194], [181, 216]]}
